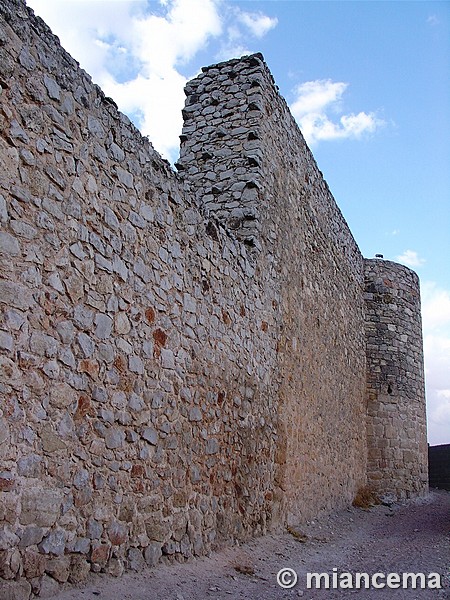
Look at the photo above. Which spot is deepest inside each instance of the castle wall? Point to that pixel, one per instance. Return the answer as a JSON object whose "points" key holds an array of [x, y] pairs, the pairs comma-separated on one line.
{"points": [[139, 387], [245, 155], [396, 426], [182, 356]]}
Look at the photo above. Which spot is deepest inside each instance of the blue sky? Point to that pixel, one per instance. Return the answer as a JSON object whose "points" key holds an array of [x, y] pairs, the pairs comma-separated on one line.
{"points": [[369, 85]]}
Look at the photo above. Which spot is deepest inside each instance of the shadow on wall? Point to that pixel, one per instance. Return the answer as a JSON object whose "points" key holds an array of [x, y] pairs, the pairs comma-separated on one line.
{"points": [[439, 466]]}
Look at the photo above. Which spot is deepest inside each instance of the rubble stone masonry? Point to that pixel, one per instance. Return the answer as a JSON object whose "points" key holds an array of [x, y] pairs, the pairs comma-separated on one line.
{"points": [[396, 427], [183, 355]]}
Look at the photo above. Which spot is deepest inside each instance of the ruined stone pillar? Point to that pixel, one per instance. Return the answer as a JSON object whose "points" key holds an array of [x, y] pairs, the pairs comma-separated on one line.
{"points": [[396, 427], [221, 150]]}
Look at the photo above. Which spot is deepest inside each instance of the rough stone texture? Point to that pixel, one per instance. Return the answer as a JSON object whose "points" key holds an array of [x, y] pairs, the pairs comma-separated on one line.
{"points": [[15, 590], [183, 356], [396, 425], [312, 279]]}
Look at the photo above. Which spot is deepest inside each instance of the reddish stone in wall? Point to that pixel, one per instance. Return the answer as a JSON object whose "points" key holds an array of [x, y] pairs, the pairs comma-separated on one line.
{"points": [[150, 315]]}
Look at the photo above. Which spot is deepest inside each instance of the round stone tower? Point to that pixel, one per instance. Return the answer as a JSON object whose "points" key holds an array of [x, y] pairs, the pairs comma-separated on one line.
{"points": [[396, 427]]}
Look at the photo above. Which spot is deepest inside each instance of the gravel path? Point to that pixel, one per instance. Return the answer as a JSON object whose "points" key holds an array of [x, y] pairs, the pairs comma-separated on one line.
{"points": [[413, 538]]}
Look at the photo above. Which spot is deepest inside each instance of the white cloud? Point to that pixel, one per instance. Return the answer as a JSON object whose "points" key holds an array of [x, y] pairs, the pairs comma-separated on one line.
{"points": [[242, 27], [155, 103], [135, 56], [233, 48], [357, 125], [435, 306], [436, 330], [313, 97], [437, 379], [439, 418], [85, 28], [437, 362], [314, 102], [162, 42], [410, 258], [258, 23]]}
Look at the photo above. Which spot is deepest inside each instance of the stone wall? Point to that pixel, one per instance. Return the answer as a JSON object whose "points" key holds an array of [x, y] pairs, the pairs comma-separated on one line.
{"points": [[139, 384], [182, 355], [439, 466], [244, 154], [396, 431]]}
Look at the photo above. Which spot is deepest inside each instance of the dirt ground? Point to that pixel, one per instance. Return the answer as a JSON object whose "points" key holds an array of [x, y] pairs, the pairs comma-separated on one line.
{"points": [[402, 538]]}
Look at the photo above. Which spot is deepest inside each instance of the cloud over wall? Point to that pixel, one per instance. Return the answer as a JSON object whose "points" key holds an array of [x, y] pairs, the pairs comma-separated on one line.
{"points": [[142, 54], [316, 106]]}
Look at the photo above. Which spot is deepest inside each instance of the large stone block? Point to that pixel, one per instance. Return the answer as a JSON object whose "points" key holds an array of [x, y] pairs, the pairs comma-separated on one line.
{"points": [[33, 564], [79, 569], [58, 568], [54, 543], [15, 590], [40, 507], [152, 554], [51, 441]]}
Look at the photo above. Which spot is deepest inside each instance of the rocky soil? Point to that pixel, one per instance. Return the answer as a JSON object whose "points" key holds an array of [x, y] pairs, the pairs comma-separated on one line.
{"points": [[410, 537]]}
